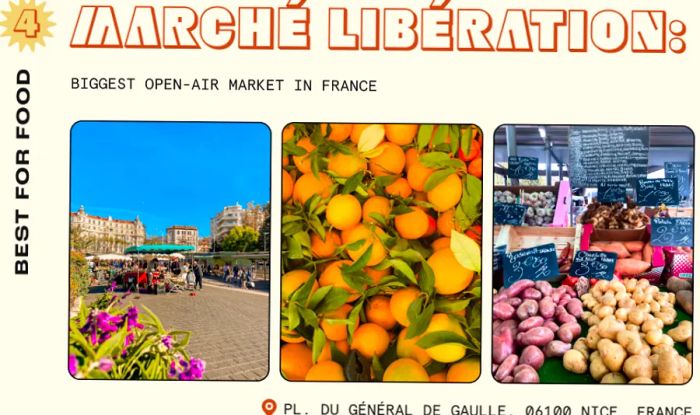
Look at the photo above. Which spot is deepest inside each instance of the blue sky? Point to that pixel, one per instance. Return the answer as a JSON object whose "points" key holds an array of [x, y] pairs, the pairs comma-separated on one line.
{"points": [[168, 173]]}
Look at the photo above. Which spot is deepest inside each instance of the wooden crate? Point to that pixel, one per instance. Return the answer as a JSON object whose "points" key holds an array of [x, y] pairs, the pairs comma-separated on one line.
{"points": [[521, 237]]}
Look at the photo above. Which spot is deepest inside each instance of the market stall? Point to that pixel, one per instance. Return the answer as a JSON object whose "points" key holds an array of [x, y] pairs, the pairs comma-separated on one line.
{"points": [[156, 280], [593, 254]]}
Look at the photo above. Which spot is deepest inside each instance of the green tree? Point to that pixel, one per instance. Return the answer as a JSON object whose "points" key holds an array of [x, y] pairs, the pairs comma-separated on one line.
{"points": [[79, 241], [240, 239]]}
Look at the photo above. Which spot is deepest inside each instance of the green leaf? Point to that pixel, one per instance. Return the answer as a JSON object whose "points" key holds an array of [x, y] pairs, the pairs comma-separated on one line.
{"points": [[441, 135], [408, 255], [303, 239], [319, 341], [292, 149], [293, 315], [421, 323], [402, 268], [309, 317], [354, 246], [425, 133], [319, 296], [354, 318], [437, 338], [333, 300], [294, 250], [301, 294], [401, 210], [467, 252], [466, 140], [426, 282], [377, 368], [435, 159], [352, 182], [438, 177], [445, 305], [357, 368], [381, 220], [290, 218]]}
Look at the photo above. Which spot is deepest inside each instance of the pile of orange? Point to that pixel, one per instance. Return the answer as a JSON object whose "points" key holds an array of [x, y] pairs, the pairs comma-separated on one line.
{"points": [[381, 245]]}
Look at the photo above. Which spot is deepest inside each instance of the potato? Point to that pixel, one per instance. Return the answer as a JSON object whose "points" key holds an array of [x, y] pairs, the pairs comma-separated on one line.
{"points": [[538, 336], [653, 324], [518, 287], [630, 284], [575, 361], [690, 343], [682, 332], [593, 320], [638, 366], [626, 303], [686, 368], [531, 293], [595, 355], [670, 371], [605, 311], [581, 346], [663, 347], [598, 369], [547, 307], [668, 317], [636, 316], [592, 338], [613, 355], [532, 356], [503, 311], [654, 337], [568, 332], [527, 309], [575, 307], [614, 377], [642, 381], [609, 327], [526, 375], [609, 300], [666, 339], [622, 314], [506, 368], [632, 327], [689, 358], [545, 287], [532, 322], [557, 348], [630, 341], [654, 307]]}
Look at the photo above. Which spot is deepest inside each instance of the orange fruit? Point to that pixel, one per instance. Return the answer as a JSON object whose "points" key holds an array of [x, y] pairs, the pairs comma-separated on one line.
{"points": [[370, 340], [371, 236], [295, 361], [357, 130], [303, 162], [293, 280], [445, 222], [333, 276], [417, 175], [336, 331], [376, 204], [439, 377], [377, 275], [290, 336], [287, 185], [465, 371], [325, 249], [412, 157], [400, 301], [432, 227], [346, 165], [450, 276], [339, 132], [288, 133], [447, 194], [325, 371], [412, 225], [475, 167], [408, 348], [285, 161], [401, 134], [308, 185], [446, 352], [399, 188], [326, 353], [405, 370], [378, 312], [343, 212], [474, 152], [441, 243], [391, 160]]}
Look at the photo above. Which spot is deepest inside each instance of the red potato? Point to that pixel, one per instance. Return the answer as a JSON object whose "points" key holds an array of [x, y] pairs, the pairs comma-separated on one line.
{"points": [[526, 376], [518, 287], [532, 356], [527, 309], [538, 336], [564, 299], [503, 344], [556, 348], [629, 267], [507, 379], [550, 324], [563, 316], [494, 368], [530, 323], [568, 332], [634, 246], [503, 311], [569, 290], [575, 307], [500, 297], [506, 368], [532, 294], [547, 307], [520, 368], [514, 302], [544, 287]]}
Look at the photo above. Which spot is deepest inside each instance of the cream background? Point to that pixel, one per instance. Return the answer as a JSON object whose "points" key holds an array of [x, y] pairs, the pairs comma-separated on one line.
{"points": [[447, 87]]}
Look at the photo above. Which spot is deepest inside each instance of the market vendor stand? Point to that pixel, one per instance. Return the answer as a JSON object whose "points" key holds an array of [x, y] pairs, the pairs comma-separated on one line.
{"points": [[159, 282]]}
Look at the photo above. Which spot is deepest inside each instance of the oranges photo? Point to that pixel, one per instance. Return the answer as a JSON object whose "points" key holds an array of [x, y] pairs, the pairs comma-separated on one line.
{"points": [[381, 263]]}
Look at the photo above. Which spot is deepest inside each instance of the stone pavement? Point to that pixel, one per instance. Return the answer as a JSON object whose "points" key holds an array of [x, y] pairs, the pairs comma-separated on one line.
{"points": [[229, 327]]}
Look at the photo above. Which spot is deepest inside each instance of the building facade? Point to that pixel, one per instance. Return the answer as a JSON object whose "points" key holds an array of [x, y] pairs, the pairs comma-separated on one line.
{"points": [[204, 245], [232, 216], [182, 235], [104, 235]]}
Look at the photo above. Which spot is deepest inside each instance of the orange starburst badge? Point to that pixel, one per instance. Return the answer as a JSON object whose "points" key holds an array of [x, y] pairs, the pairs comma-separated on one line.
{"points": [[26, 24]]}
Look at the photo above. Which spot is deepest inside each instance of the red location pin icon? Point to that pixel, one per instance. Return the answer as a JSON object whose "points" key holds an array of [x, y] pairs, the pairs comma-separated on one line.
{"points": [[269, 406]]}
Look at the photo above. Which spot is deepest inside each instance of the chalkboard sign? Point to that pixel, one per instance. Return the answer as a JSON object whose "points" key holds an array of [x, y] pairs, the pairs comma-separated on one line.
{"points": [[538, 263], [523, 167], [611, 193], [607, 155], [680, 170], [591, 264], [498, 254], [653, 192], [509, 213], [672, 231]]}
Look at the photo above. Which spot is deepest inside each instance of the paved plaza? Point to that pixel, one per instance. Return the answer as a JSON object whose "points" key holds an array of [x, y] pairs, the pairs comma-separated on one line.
{"points": [[229, 327]]}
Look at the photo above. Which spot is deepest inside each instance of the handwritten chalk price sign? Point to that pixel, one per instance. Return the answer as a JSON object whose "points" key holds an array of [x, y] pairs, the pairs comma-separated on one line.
{"points": [[590, 264], [654, 192], [509, 213], [681, 171], [672, 231], [611, 193], [538, 263], [523, 167]]}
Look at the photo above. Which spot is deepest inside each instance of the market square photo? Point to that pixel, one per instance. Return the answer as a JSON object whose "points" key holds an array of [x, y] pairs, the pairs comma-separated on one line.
{"points": [[169, 251]]}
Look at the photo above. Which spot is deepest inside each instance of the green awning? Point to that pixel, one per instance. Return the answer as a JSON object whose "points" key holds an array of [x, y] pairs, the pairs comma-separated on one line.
{"points": [[158, 249]]}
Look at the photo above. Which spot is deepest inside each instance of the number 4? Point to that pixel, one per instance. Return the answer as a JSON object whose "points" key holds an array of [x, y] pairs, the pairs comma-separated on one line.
{"points": [[27, 23]]}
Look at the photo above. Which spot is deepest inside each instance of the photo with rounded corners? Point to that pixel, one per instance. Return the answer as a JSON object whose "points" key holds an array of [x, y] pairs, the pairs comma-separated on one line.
{"points": [[381, 252], [161, 215], [593, 254]]}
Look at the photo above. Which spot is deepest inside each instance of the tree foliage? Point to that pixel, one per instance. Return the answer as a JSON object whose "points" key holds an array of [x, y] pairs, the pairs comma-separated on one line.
{"points": [[240, 239]]}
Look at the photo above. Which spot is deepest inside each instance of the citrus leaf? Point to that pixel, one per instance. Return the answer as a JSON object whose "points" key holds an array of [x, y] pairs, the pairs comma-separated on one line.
{"points": [[309, 316], [444, 305], [333, 300], [425, 133], [352, 182], [421, 323], [466, 251], [403, 268], [293, 315], [319, 296], [317, 345], [437, 177], [435, 159], [301, 294], [441, 135], [426, 282], [376, 152], [370, 138], [437, 338]]}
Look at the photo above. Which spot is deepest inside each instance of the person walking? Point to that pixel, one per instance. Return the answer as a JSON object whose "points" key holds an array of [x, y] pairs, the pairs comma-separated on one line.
{"points": [[197, 275]]}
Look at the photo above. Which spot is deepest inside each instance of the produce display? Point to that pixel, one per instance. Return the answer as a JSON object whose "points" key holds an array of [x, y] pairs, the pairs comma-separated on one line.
{"points": [[615, 216], [532, 321], [541, 205], [626, 342], [633, 257], [381, 252]]}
